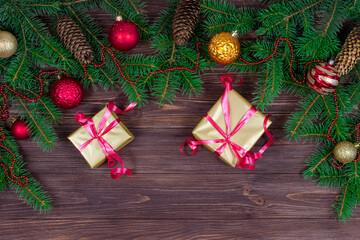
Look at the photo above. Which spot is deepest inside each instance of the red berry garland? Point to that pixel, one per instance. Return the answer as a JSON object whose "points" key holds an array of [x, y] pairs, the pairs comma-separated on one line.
{"points": [[291, 61], [5, 115], [140, 76], [331, 139], [12, 177], [303, 81]]}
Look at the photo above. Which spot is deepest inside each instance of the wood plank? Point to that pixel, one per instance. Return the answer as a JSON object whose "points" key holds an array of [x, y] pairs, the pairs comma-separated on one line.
{"points": [[179, 196], [92, 229], [171, 196], [162, 155]]}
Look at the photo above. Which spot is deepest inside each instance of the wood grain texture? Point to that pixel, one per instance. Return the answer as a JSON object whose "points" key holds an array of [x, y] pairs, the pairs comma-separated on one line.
{"points": [[171, 196]]}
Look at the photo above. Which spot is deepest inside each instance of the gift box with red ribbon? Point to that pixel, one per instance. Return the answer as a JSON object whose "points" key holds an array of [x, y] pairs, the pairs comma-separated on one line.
{"points": [[101, 136], [231, 128]]}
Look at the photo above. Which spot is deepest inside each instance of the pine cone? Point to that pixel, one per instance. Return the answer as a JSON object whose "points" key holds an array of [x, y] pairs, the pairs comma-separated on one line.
{"points": [[350, 52], [185, 18], [74, 39]]}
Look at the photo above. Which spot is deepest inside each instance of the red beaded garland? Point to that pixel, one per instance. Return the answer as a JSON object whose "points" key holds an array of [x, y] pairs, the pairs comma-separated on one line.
{"points": [[334, 120], [291, 61], [12, 177], [303, 81], [4, 113], [140, 76], [333, 140]]}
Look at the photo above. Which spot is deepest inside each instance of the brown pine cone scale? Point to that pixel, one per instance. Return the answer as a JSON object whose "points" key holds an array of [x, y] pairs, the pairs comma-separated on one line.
{"points": [[185, 18], [74, 39], [349, 55]]}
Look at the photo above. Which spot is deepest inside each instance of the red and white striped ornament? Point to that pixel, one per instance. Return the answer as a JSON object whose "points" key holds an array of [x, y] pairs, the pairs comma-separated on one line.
{"points": [[323, 78]]}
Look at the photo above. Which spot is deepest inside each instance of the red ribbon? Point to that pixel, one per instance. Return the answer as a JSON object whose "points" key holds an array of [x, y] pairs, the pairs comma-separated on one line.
{"points": [[249, 158], [108, 150]]}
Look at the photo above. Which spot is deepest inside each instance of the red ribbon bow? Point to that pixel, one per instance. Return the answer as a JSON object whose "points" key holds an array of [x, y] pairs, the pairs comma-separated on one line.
{"points": [[108, 150], [249, 158]]}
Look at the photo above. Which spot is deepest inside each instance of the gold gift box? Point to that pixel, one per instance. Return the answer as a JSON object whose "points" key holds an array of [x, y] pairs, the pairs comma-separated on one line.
{"points": [[118, 137], [246, 137]]}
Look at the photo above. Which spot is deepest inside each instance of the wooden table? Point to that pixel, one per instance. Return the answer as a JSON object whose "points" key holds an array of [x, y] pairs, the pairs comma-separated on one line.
{"points": [[170, 196]]}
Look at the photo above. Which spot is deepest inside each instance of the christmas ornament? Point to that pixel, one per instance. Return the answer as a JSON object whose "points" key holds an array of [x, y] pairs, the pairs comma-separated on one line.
{"points": [[323, 78], [20, 130], [67, 93], [224, 48], [123, 35], [350, 52], [345, 151], [185, 18], [74, 39], [8, 44]]}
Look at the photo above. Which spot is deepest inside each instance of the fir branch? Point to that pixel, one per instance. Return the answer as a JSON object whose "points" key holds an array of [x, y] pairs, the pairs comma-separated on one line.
{"points": [[312, 169], [343, 207], [50, 110], [73, 2], [331, 115], [278, 14], [353, 89], [85, 27], [294, 130], [55, 4], [43, 38], [322, 34], [316, 133], [317, 43], [211, 7], [105, 75], [24, 55], [163, 95], [42, 132], [126, 16], [32, 193]]}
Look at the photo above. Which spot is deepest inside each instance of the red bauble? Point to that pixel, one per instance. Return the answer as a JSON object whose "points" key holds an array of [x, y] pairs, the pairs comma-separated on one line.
{"points": [[20, 130], [123, 35], [67, 93], [323, 78]]}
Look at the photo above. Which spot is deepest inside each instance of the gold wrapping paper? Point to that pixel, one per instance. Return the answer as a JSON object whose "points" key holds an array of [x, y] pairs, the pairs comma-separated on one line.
{"points": [[118, 137], [246, 137]]}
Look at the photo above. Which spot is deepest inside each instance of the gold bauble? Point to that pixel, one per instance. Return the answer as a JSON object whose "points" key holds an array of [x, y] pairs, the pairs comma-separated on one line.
{"points": [[8, 44], [224, 48], [345, 152]]}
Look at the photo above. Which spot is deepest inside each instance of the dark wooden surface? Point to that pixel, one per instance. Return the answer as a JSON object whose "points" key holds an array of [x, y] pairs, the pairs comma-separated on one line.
{"points": [[170, 196]]}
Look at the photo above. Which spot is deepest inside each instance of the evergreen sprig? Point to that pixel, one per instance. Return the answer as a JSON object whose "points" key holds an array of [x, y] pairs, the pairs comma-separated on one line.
{"points": [[312, 26], [320, 167], [39, 48], [32, 193], [171, 55]]}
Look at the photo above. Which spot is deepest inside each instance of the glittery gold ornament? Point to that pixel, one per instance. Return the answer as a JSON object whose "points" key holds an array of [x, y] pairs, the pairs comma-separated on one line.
{"points": [[224, 48], [8, 44], [345, 151]]}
